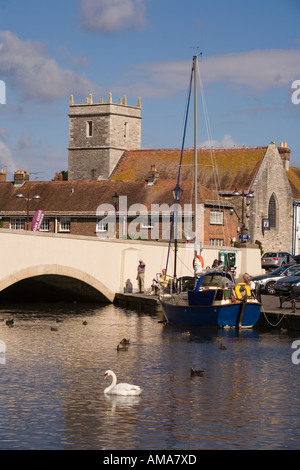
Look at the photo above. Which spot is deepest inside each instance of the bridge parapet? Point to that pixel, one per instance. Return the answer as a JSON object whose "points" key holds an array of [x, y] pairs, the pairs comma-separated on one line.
{"points": [[103, 264]]}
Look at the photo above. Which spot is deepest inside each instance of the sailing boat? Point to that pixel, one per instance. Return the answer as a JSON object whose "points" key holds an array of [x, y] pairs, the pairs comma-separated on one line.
{"points": [[215, 299]]}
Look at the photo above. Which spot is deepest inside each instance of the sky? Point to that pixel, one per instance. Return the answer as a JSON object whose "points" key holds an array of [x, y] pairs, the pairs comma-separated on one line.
{"points": [[249, 63]]}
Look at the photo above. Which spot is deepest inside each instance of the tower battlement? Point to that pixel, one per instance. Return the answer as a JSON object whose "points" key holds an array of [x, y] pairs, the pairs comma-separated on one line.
{"points": [[99, 133]]}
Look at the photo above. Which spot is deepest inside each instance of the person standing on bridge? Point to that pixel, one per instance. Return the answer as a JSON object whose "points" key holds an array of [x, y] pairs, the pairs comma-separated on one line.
{"points": [[141, 275]]}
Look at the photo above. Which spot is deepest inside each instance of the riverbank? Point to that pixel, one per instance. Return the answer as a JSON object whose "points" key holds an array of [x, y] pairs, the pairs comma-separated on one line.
{"points": [[272, 315]]}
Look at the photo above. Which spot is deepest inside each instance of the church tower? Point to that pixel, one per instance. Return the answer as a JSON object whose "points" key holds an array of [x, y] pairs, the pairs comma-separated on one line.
{"points": [[99, 133]]}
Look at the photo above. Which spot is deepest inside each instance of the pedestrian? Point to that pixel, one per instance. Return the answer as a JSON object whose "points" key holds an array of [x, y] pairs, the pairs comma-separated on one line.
{"points": [[141, 275], [248, 280]]}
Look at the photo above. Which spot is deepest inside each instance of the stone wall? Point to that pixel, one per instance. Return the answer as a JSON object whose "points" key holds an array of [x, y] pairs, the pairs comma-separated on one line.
{"points": [[271, 179]]}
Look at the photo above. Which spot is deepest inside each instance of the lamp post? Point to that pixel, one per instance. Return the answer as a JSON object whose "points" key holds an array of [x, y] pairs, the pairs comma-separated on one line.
{"points": [[28, 199], [177, 193], [244, 195], [115, 199]]}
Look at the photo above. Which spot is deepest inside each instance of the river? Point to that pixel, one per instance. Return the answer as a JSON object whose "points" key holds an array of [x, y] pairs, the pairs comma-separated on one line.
{"points": [[52, 364]]}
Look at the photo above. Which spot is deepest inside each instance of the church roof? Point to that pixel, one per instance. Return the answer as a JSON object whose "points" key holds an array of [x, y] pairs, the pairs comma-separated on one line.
{"points": [[217, 168], [293, 175]]}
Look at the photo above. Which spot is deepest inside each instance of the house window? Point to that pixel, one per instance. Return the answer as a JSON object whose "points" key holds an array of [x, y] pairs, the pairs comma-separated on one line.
{"points": [[45, 225], [272, 211], [216, 242], [101, 226], [17, 224], [216, 217], [89, 128], [64, 225], [147, 223]]}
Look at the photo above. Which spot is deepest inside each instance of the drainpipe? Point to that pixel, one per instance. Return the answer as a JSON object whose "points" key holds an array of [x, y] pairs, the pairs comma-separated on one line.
{"points": [[294, 228]]}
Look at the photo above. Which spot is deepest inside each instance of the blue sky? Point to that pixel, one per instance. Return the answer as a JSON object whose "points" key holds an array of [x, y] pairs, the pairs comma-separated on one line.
{"points": [[144, 48]]}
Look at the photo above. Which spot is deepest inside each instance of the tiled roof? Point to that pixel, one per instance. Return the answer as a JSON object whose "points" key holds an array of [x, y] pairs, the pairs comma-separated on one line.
{"points": [[217, 168], [83, 197], [293, 175]]}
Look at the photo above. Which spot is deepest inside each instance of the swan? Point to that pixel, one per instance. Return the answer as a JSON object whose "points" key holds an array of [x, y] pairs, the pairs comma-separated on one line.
{"points": [[121, 388]]}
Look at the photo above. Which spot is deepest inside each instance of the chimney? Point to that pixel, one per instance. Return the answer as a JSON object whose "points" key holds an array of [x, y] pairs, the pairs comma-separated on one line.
{"points": [[20, 177], [2, 176], [285, 153], [153, 175]]}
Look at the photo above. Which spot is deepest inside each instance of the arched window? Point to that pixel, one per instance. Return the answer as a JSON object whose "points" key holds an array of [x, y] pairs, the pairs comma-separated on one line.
{"points": [[272, 211]]}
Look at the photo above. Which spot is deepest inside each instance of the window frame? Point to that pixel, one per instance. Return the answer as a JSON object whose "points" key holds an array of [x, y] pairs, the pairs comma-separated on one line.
{"points": [[22, 221], [65, 224], [216, 217]]}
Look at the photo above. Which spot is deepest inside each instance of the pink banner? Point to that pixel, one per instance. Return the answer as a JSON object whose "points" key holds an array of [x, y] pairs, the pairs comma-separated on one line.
{"points": [[37, 220]]}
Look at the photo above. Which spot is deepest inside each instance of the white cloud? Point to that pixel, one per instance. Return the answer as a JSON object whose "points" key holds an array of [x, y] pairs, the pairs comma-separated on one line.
{"points": [[27, 67], [6, 160], [25, 141], [226, 142], [106, 16], [257, 70]]}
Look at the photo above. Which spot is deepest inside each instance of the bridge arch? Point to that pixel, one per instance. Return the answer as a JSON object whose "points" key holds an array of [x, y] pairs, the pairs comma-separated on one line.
{"points": [[61, 278]]}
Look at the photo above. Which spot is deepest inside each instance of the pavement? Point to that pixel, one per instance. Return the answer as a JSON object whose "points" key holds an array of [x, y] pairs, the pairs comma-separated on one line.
{"points": [[271, 304]]}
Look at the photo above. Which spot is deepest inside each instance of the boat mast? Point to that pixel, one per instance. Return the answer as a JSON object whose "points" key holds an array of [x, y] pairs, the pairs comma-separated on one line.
{"points": [[195, 58]]}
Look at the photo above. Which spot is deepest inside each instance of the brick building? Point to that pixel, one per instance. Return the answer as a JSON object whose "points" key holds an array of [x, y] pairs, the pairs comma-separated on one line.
{"points": [[142, 209]]}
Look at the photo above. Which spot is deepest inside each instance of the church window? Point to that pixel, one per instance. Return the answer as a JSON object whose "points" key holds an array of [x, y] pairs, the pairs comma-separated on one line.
{"points": [[89, 128], [272, 211], [125, 129]]}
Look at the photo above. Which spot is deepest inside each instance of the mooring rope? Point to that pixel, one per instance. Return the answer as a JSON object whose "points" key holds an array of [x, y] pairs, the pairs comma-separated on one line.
{"points": [[268, 321]]}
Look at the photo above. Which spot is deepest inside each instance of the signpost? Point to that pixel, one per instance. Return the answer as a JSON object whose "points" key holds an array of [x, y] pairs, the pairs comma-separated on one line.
{"points": [[265, 225]]}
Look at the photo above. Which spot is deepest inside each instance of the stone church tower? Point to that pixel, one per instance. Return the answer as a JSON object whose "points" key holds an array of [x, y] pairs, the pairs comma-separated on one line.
{"points": [[99, 133]]}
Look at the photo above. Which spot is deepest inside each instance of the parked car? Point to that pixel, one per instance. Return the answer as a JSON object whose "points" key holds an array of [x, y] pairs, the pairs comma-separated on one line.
{"points": [[284, 285], [266, 281], [274, 259]]}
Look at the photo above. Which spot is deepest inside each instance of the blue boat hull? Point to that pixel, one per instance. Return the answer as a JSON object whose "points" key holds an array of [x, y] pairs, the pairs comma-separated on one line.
{"points": [[227, 315]]}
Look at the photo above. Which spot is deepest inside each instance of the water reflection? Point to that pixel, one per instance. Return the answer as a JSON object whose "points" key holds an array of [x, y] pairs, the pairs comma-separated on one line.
{"points": [[53, 383]]}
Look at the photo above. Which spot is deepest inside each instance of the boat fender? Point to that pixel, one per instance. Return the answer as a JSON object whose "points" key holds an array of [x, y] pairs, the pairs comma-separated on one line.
{"points": [[200, 259], [242, 290]]}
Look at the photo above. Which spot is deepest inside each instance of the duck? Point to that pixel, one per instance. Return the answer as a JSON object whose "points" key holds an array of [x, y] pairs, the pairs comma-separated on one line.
{"points": [[222, 347], [120, 388], [84, 322], [125, 341], [195, 373], [10, 322]]}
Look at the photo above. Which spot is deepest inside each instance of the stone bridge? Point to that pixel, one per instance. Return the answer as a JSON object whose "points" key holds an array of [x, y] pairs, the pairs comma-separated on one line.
{"points": [[41, 266]]}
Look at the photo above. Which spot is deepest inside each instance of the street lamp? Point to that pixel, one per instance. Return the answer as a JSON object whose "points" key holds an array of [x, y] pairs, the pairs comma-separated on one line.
{"points": [[115, 199], [27, 199], [177, 193], [244, 195]]}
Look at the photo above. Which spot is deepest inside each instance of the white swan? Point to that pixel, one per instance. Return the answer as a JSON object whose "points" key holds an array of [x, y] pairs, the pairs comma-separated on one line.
{"points": [[121, 388]]}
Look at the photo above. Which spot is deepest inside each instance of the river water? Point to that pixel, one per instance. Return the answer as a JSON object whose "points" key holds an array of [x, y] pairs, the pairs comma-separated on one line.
{"points": [[52, 382]]}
